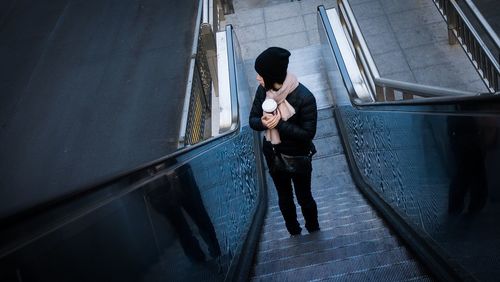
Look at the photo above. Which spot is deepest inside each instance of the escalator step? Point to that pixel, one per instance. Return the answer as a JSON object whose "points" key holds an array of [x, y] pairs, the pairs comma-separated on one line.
{"points": [[403, 271], [354, 242], [335, 238], [325, 126], [334, 148], [343, 225], [337, 250], [330, 263], [325, 114]]}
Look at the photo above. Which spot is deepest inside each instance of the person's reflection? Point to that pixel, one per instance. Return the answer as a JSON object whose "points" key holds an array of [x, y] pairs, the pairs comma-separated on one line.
{"points": [[469, 140], [179, 191]]}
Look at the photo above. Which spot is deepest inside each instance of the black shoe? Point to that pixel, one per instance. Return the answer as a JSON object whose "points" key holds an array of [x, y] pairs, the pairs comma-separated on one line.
{"points": [[312, 230], [295, 232]]}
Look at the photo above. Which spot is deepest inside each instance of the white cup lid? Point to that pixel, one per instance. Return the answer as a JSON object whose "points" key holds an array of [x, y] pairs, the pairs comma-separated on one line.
{"points": [[269, 105]]}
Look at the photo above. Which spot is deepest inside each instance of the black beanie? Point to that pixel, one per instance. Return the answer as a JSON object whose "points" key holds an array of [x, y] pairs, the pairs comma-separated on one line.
{"points": [[272, 64]]}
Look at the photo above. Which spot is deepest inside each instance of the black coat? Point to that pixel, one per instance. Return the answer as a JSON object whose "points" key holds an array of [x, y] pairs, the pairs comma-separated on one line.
{"points": [[297, 132]]}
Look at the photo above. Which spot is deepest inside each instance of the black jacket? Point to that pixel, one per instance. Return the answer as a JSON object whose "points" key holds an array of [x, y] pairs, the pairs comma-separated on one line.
{"points": [[298, 131]]}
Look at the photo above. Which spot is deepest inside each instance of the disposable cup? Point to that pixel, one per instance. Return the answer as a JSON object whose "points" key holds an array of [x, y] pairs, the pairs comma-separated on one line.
{"points": [[269, 106]]}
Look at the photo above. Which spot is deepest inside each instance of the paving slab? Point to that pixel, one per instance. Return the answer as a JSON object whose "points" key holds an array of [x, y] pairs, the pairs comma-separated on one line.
{"points": [[410, 36]]}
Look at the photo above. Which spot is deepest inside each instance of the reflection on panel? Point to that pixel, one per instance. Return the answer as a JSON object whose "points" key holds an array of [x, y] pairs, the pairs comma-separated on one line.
{"points": [[186, 224], [208, 204], [440, 172]]}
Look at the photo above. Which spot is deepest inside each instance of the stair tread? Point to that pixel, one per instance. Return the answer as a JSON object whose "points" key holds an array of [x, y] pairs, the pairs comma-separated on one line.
{"points": [[317, 267]]}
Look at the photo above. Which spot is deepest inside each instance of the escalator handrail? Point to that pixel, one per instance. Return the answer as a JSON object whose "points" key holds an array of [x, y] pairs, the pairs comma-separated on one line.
{"points": [[235, 115], [422, 90], [152, 167], [436, 95], [330, 37]]}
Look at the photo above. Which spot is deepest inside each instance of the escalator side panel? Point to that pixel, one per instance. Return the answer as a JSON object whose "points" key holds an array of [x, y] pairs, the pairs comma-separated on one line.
{"points": [[187, 223], [438, 171]]}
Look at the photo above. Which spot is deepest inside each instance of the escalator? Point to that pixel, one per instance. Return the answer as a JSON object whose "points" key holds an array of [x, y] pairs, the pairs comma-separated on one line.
{"points": [[424, 157], [385, 180], [190, 216]]}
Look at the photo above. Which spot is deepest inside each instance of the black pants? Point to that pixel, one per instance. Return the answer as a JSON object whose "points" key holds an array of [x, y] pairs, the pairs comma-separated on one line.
{"points": [[302, 184]]}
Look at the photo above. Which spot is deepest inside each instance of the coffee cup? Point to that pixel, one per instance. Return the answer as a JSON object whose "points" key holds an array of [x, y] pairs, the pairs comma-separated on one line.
{"points": [[269, 106]]}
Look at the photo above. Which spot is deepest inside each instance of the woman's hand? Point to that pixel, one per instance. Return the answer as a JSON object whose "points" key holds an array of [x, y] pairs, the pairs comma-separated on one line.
{"points": [[271, 120]]}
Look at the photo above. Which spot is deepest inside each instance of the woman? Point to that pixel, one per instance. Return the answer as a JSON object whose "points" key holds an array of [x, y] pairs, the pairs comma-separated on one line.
{"points": [[289, 131]]}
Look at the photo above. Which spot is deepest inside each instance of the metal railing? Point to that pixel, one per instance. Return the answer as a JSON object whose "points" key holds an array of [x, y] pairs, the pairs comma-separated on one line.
{"points": [[361, 67], [202, 75], [462, 31], [490, 33]]}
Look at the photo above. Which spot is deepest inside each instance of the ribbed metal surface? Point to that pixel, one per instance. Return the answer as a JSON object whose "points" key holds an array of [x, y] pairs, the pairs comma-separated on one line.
{"points": [[199, 104], [354, 243], [197, 111]]}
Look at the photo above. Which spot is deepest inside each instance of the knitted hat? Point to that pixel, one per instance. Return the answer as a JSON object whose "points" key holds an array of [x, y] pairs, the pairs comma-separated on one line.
{"points": [[272, 64]]}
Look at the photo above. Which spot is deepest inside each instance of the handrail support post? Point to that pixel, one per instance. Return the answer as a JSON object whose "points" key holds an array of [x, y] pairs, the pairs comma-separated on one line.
{"points": [[379, 92], [389, 94], [451, 22], [407, 96]]}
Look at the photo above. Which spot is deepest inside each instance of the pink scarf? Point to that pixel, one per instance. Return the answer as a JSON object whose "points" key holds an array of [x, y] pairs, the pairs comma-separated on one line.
{"points": [[286, 110]]}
